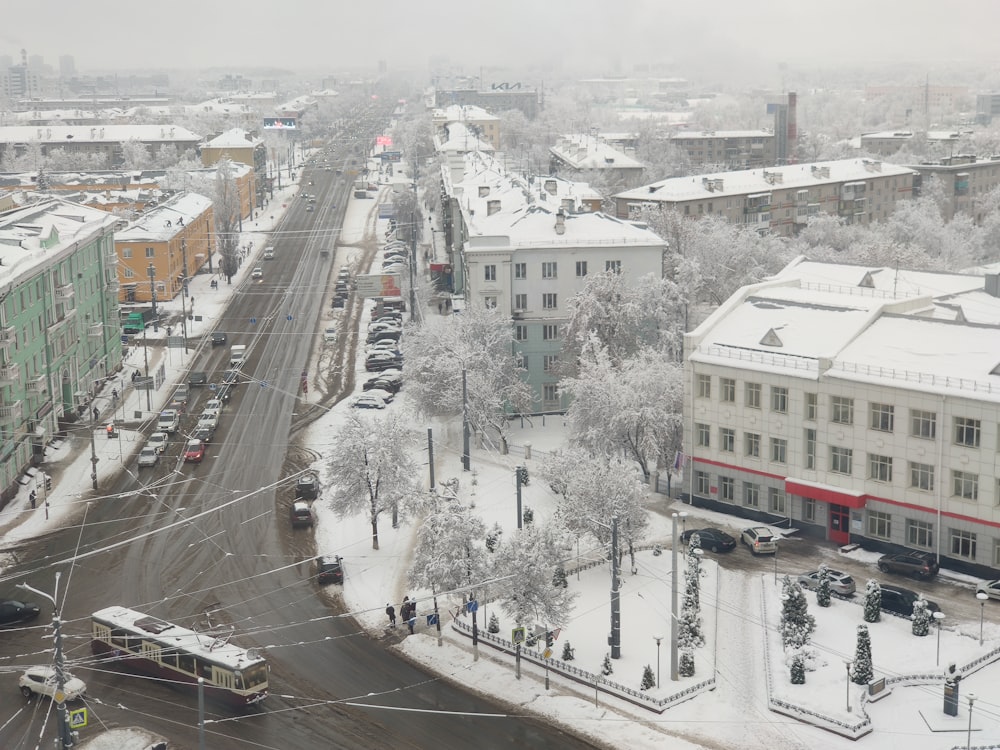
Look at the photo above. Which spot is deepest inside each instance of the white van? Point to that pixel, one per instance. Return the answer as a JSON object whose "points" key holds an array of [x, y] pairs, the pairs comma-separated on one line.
{"points": [[269, 252], [237, 354]]}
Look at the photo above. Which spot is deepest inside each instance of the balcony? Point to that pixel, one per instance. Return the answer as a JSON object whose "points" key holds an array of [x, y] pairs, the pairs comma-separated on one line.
{"points": [[8, 335], [10, 412], [95, 330], [64, 292], [9, 373], [37, 385], [68, 317]]}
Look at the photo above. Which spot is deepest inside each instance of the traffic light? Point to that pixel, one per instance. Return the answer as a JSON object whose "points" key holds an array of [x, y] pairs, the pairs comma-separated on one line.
{"points": [[550, 638], [48, 482]]}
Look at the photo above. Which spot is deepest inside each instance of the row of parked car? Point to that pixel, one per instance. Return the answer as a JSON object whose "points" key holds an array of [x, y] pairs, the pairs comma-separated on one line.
{"points": [[383, 357]]}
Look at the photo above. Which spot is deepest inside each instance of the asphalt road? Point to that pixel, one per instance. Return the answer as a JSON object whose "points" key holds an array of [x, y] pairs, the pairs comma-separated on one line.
{"points": [[243, 566]]}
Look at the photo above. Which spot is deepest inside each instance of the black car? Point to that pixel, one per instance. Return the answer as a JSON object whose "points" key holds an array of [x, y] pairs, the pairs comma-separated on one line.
{"points": [[218, 337], [384, 384], [224, 393], [900, 601], [197, 377], [330, 569], [714, 540], [204, 434], [921, 565], [338, 303], [307, 487], [13, 612], [230, 376]]}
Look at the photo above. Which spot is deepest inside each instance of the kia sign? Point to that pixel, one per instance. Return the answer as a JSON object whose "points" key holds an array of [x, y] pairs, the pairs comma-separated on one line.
{"points": [[280, 123], [383, 140], [378, 285]]}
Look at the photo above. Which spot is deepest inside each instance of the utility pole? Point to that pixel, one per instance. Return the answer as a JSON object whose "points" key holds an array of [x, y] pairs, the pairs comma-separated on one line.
{"points": [[145, 358], [673, 597], [519, 482], [93, 449], [151, 272], [616, 613], [184, 291], [430, 454], [66, 737], [465, 423], [413, 259]]}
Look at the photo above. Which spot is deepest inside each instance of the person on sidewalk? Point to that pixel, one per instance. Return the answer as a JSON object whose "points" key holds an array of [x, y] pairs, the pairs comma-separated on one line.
{"points": [[391, 611]]}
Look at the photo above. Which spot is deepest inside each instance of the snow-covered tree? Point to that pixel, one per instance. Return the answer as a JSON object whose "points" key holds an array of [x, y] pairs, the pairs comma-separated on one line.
{"points": [[692, 577], [873, 601], [559, 577], [648, 678], [921, 617], [449, 553], [606, 669], [569, 653], [823, 591], [480, 341], [862, 670], [798, 669], [493, 538], [690, 633], [525, 564], [633, 409], [797, 625], [371, 469], [135, 155], [685, 665], [226, 209], [494, 626]]}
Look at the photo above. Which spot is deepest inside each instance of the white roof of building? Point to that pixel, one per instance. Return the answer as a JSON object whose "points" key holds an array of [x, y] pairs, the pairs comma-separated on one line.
{"points": [[462, 139], [715, 134], [582, 151], [749, 181], [53, 134], [166, 220], [463, 112], [233, 138]]}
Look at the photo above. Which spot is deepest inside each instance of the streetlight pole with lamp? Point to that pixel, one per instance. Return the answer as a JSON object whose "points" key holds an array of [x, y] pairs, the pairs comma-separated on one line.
{"points": [[657, 638], [673, 595], [982, 597], [939, 616], [971, 697], [847, 665]]}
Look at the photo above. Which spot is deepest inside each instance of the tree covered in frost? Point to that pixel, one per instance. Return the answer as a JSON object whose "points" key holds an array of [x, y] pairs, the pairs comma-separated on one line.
{"points": [[371, 469], [823, 590], [685, 664], [690, 633], [798, 668], [797, 625], [921, 622], [873, 601], [633, 408], [449, 554], [692, 577], [480, 341], [494, 626], [524, 565], [226, 210], [606, 669], [861, 670], [648, 678]]}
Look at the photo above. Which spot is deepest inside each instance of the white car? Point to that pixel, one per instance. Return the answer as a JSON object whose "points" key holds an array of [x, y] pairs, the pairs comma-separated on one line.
{"points": [[169, 421], [380, 393], [213, 405], [158, 440], [330, 334], [840, 583], [208, 419], [42, 681], [257, 274], [148, 456], [367, 401]]}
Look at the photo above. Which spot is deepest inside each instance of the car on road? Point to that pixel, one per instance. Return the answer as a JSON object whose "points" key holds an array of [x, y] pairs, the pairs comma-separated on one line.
{"points": [[310, 207], [159, 441], [307, 486], [42, 681], [922, 565], [168, 421], [990, 588], [148, 456], [195, 451], [714, 540], [204, 433], [197, 377], [230, 376], [14, 612], [900, 601], [224, 392], [330, 333], [218, 337], [840, 583], [257, 274], [301, 514], [760, 540], [329, 569], [366, 401], [213, 405], [209, 419], [269, 253]]}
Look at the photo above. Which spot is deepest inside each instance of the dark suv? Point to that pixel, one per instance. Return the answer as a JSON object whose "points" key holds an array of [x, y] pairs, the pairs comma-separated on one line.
{"points": [[900, 601], [917, 564], [329, 569], [307, 487]]}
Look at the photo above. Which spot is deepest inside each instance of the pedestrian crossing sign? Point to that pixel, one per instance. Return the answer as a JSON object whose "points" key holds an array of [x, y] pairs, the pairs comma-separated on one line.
{"points": [[78, 718]]}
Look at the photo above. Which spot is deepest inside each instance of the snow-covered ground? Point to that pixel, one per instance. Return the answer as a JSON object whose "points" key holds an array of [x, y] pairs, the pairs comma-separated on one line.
{"points": [[740, 610]]}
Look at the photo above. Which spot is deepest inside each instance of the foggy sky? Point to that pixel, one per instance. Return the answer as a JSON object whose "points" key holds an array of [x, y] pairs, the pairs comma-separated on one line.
{"points": [[593, 35]]}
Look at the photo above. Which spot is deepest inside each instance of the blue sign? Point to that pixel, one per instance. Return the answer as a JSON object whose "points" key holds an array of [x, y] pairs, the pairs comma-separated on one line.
{"points": [[288, 317], [253, 321], [263, 384], [472, 606], [212, 387], [432, 619]]}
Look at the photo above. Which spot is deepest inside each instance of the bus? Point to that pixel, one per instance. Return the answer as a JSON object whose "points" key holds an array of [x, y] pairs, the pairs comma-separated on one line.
{"points": [[233, 675]]}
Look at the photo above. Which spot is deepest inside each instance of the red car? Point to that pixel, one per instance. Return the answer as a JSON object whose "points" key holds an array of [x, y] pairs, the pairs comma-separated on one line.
{"points": [[195, 451]]}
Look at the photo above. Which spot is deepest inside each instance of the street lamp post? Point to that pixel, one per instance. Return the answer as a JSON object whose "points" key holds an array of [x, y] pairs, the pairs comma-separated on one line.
{"points": [[971, 697], [673, 596], [657, 638], [151, 272], [982, 597], [939, 616], [847, 665]]}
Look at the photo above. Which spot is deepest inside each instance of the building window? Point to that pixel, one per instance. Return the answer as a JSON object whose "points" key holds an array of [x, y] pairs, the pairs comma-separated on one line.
{"points": [[129, 273], [613, 265], [880, 468], [522, 360], [727, 440], [491, 302], [751, 444], [727, 390], [923, 424], [920, 534], [779, 450], [842, 410], [490, 273], [841, 459], [996, 553], [520, 270], [779, 399], [550, 393], [550, 362], [705, 386], [962, 543], [809, 509], [882, 417], [550, 332], [581, 268], [727, 489], [810, 448], [702, 431], [965, 485], [126, 252], [812, 406], [701, 484], [520, 301], [752, 395], [922, 476], [776, 500], [879, 524], [751, 495], [549, 270], [150, 252], [520, 333], [967, 432], [549, 301]]}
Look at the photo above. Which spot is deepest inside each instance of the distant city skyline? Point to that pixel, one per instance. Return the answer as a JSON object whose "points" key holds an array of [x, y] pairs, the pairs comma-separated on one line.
{"points": [[585, 34]]}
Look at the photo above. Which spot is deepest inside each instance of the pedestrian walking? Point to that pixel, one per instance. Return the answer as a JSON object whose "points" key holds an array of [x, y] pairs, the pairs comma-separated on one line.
{"points": [[391, 611], [31, 499], [114, 395], [97, 414]]}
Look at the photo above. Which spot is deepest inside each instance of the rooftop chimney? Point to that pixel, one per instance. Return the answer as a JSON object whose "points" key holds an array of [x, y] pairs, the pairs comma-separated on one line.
{"points": [[560, 222]]}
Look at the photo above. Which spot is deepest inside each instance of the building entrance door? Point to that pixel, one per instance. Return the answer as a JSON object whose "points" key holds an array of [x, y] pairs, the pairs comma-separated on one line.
{"points": [[840, 519]]}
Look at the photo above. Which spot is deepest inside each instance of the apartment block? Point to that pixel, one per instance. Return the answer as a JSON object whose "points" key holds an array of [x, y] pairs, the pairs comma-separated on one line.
{"points": [[727, 150]]}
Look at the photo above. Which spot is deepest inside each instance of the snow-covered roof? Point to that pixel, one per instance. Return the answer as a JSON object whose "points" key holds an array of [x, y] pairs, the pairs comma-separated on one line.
{"points": [[463, 112], [582, 151], [164, 221], [233, 138], [462, 139], [716, 134], [61, 134], [772, 179]]}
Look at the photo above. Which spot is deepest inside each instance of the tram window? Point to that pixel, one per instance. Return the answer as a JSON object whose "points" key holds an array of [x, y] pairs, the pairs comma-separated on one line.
{"points": [[186, 663], [119, 637]]}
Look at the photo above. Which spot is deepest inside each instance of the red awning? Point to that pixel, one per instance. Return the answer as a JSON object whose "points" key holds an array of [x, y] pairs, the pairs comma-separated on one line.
{"points": [[825, 493]]}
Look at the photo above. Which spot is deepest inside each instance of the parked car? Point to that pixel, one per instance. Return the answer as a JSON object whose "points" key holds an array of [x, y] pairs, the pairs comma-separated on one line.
{"points": [[760, 540], [148, 456], [921, 565], [382, 361], [840, 583], [990, 588], [168, 421], [14, 612], [301, 514], [900, 601], [307, 486], [257, 274], [384, 394], [329, 569], [42, 681], [218, 337], [195, 451], [714, 540], [158, 440], [197, 377], [380, 383], [366, 401], [330, 333], [338, 303]]}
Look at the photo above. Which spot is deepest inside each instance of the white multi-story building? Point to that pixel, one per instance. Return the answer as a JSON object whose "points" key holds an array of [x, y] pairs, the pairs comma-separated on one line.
{"points": [[856, 404]]}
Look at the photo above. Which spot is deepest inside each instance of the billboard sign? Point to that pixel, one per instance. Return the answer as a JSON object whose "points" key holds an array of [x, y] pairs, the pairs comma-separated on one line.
{"points": [[280, 123], [378, 285], [383, 140], [391, 156]]}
